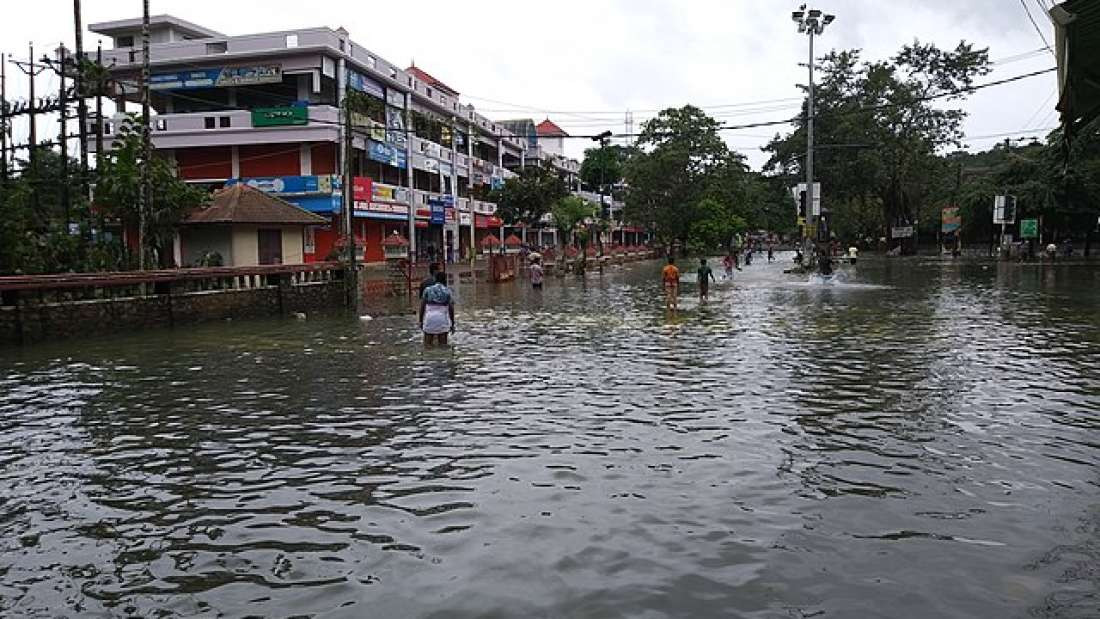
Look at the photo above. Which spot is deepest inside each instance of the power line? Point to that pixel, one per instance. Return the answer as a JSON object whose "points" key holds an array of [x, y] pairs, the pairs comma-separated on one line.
{"points": [[1037, 29]]}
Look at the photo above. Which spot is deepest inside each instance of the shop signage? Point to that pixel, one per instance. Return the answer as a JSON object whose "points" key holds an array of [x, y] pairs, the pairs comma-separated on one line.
{"points": [[428, 165], [496, 182], [388, 193], [395, 127], [387, 154], [285, 185], [1029, 228], [395, 98], [361, 189], [446, 169], [950, 219], [217, 77], [901, 232], [463, 219], [438, 211], [362, 83], [430, 149], [280, 116], [378, 132]]}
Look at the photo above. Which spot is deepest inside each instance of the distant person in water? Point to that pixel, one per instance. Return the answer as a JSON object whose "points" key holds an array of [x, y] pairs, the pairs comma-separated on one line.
{"points": [[771, 252], [670, 277], [536, 273], [706, 276], [824, 261], [437, 312], [433, 268], [728, 263]]}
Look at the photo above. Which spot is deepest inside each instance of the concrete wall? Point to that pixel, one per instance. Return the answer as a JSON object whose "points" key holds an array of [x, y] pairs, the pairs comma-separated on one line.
{"points": [[26, 324], [196, 240], [246, 250], [292, 245]]}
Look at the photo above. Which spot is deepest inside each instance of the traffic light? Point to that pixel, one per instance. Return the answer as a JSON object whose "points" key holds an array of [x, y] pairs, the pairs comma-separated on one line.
{"points": [[802, 205]]}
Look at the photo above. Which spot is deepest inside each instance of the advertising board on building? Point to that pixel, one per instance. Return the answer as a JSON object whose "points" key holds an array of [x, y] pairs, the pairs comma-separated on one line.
{"points": [[430, 149], [280, 116], [290, 185], [216, 77], [365, 84], [901, 232], [395, 127], [445, 169], [384, 153], [395, 98], [438, 211]]}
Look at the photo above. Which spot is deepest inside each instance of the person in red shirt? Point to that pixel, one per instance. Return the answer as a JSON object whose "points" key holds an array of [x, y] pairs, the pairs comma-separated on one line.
{"points": [[670, 276]]}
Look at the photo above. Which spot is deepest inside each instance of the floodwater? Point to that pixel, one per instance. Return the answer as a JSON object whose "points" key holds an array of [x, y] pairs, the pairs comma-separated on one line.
{"points": [[914, 439]]}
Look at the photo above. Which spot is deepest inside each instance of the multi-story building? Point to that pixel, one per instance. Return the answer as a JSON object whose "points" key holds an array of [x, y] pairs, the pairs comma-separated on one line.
{"points": [[266, 109]]}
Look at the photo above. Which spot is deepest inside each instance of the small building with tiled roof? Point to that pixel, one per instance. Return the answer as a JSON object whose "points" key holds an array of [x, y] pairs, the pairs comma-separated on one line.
{"points": [[243, 226], [551, 137], [430, 80]]}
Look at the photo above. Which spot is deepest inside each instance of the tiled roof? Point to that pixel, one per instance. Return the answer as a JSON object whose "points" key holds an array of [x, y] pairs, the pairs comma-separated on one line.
{"points": [[242, 204], [428, 79], [548, 128]]}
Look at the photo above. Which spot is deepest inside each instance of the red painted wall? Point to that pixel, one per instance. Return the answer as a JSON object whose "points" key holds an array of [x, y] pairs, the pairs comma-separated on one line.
{"points": [[323, 240], [205, 162], [269, 160], [323, 158]]}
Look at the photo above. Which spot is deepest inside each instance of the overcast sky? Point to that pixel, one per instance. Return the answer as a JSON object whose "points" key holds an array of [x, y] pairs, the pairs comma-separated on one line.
{"points": [[585, 63]]}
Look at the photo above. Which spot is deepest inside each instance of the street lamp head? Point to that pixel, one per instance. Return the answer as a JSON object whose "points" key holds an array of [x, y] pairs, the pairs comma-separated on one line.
{"points": [[815, 13], [829, 19], [601, 137], [797, 16]]}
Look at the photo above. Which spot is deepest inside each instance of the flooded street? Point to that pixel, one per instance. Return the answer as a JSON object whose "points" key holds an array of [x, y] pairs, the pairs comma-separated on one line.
{"points": [[920, 439]]}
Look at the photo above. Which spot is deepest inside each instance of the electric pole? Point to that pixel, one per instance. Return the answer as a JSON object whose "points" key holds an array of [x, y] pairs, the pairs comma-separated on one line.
{"points": [[349, 207], [3, 119], [81, 101], [62, 119], [811, 22], [146, 148]]}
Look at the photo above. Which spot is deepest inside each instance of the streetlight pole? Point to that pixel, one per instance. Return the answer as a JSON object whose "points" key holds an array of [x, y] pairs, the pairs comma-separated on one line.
{"points": [[811, 22]]}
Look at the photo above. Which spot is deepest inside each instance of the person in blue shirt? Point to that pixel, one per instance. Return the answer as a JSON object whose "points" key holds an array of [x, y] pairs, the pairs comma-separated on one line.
{"points": [[437, 312]]}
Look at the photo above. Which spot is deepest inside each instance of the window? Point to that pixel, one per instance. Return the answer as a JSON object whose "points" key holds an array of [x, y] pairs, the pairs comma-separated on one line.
{"points": [[219, 47], [292, 40], [429, 91], [162, 125], [124, 41], [223, 121], [208, 121]]}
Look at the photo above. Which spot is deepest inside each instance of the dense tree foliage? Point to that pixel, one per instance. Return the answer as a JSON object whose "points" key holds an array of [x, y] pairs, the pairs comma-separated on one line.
{"points": [[529, 196]]}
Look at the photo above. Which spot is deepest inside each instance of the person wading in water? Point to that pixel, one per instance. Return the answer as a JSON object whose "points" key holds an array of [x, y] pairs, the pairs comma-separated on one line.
{"points": [[437, 312], [706, 275], [670, 276]]}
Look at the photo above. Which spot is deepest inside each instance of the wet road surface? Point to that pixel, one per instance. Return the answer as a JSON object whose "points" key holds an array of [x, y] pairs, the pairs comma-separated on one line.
{"points": [[917, 439]]}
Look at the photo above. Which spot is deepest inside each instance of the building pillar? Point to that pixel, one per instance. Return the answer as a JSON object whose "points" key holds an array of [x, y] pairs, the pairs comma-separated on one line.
{"points": [[409, 176], [235, 161], [305, 159]]}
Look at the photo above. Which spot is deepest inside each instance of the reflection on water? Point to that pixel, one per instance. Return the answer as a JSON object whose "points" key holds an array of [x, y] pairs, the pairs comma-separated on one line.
{"points": [[911, 440]]}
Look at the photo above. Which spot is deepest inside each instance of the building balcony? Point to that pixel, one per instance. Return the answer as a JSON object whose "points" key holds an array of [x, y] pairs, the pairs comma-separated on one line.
{"points": [[225, 128]]}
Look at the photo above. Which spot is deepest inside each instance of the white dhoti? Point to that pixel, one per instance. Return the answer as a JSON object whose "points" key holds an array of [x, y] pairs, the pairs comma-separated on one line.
{"points": [[437, 320]]}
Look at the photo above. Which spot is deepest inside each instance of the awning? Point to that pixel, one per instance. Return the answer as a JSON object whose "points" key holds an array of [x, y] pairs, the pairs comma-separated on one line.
{"points": [[1077, 39]]}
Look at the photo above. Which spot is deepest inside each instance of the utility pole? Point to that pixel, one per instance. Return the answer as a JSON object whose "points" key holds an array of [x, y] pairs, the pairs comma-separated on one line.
{"points": [[349, 208], [146, 147], [99, 103], [62, 120], [811, 22], [81, 101], [3, 119]]}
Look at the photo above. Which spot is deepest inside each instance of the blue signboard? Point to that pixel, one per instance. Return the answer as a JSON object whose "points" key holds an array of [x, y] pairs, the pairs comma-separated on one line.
{"points": [[217, 77], [362, 83], [283, 185], [387, 154], [438, 211]]}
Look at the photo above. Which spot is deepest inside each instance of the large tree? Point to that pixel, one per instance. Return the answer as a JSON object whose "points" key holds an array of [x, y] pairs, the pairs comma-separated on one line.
{"points": [[677, 151], [603, 166], [880, 127], [528, 197], [119, 186]]}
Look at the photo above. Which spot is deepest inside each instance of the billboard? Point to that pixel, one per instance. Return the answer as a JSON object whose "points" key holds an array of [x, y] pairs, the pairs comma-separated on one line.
{"points": [[950, 220], [1029, 228], [1004, 209], [217, 77], [280, 116]]}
